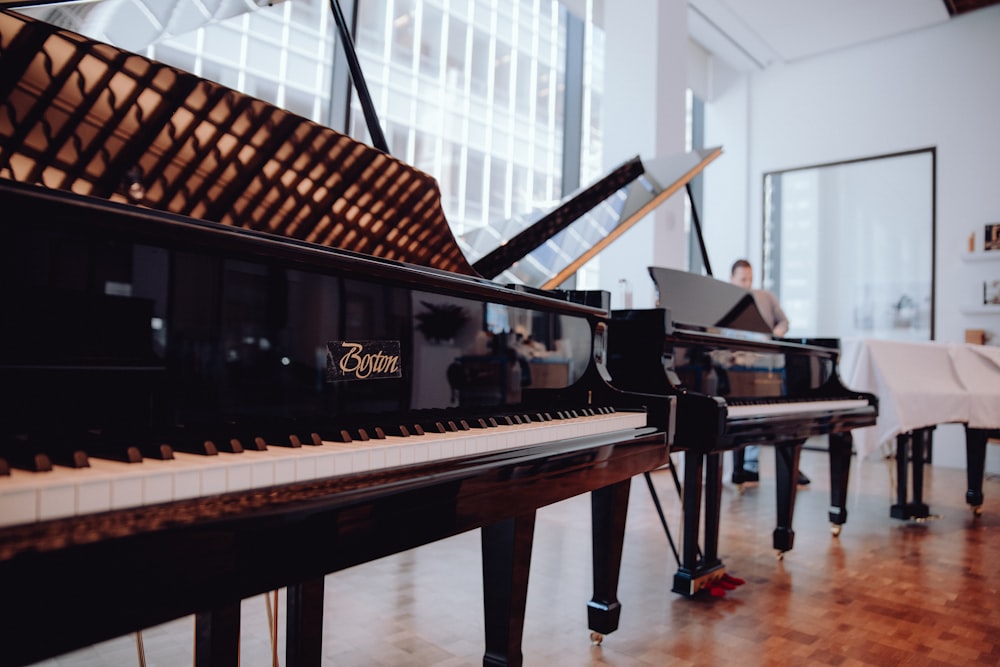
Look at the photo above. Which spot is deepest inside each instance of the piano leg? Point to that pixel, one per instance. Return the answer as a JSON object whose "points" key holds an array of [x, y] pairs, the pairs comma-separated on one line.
{"points": [[217, 636], [739, 455], [787, 471], [609, 507], [698, 570], [975, 466], [841, 447], [506, 549], [910, 448], [713, 507], [304, 643]]}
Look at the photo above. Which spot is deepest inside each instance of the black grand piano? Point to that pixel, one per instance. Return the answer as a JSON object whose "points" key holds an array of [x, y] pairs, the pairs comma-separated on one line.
{"points": [[736, 385], [708, 346], [222, 341]]}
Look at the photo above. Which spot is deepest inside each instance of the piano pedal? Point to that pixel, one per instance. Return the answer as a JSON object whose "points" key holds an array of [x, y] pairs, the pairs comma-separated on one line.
{"points": [[690, 582], [735, 581]]}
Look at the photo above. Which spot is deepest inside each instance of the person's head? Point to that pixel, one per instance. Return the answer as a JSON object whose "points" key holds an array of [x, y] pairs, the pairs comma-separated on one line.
{"points": [[741, 274]]}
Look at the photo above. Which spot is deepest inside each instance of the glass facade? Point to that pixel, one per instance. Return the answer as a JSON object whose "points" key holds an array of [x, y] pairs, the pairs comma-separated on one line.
{"points": [[469, 91]]}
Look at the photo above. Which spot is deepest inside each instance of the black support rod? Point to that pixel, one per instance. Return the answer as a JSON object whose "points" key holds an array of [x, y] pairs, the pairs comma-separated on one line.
{"points": [[371, 118]]}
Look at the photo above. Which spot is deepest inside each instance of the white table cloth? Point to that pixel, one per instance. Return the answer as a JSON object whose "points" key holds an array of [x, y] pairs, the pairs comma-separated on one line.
{"points": [[921, 384]]}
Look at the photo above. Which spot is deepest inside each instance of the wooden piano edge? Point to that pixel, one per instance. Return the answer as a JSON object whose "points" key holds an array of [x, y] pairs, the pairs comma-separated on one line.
{"points": [[155, 564]]}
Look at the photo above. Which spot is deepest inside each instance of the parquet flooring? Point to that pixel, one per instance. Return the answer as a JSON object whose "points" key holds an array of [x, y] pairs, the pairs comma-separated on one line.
{"points": [[885, 592]]}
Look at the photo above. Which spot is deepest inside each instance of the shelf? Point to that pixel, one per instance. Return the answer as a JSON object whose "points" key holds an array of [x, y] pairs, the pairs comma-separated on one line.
{"points": [[980, 310], [981, 256]]}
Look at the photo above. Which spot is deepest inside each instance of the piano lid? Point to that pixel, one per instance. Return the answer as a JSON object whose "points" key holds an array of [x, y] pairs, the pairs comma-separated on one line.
{"points": [[544, 250], [80, 115], [84, 116], [706, 304]]}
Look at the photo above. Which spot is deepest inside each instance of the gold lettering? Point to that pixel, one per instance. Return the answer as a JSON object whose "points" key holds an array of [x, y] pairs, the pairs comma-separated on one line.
{"points": [[363, 365]]}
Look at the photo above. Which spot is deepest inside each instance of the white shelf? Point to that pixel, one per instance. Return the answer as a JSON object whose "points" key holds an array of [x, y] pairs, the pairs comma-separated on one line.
{"points": [[981, 256], [985, 309]]}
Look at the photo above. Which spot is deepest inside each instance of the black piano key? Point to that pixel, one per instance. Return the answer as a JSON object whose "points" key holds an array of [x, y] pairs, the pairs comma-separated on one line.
{"points": [[295, 432], [303, 438], [43, 448], [114, 450], [337, 435], [186, 439], [123, 436], [24, 453]]}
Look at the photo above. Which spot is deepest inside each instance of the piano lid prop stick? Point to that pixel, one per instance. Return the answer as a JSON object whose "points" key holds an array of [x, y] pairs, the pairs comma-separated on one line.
{"points": [[374, 129]]}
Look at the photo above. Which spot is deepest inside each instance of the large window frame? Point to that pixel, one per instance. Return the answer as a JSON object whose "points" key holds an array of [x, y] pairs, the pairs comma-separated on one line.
{"points": [[885, 206]]}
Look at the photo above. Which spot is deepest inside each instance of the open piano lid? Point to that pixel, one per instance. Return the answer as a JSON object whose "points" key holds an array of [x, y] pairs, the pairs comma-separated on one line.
{"points": [[81, 115], [84, 116], [543, 251]]}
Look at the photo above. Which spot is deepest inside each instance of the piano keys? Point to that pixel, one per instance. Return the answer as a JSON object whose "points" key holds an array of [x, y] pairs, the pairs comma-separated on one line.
{"points": [[213, 334], [735, 385]]}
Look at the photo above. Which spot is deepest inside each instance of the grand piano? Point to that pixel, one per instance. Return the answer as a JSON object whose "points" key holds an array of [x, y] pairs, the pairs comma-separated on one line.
{"points": [[708, 346], [224, 333]]}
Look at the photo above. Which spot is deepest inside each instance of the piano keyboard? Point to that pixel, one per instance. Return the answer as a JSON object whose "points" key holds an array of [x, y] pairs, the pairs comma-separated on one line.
{"points": [[27, 497], [792, 407]]}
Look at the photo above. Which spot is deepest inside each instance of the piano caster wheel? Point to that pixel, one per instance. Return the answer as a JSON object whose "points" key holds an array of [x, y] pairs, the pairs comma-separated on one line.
{"points": [[835, 529], [781, 555], [977, 510], [740, 488], [596, 638]]}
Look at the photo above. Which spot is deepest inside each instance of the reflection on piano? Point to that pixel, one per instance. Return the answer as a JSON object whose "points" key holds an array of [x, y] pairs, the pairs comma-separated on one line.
{"points": [[205, 412], [735, 385]]}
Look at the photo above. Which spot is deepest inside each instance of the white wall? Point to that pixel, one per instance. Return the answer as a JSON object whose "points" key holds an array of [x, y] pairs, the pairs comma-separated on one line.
{"points": [[937, 87]]}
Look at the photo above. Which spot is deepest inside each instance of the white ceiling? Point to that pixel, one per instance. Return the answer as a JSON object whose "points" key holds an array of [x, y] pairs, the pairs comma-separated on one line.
{"points": [[755, 34]]}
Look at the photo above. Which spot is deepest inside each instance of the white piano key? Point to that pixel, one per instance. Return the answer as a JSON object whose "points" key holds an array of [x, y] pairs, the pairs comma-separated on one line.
{"points": [[261, 471], [19, 497], [57, 498], [93, 494], [157, 481], [303, 466], [238, 474], [187, 481]]}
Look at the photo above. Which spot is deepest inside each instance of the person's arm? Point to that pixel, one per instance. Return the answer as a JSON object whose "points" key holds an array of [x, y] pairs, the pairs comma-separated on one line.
{"points": [[781, 320]]}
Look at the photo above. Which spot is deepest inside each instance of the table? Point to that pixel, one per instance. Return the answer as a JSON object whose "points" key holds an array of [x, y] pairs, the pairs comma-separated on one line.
{"points": [[921, 384]]}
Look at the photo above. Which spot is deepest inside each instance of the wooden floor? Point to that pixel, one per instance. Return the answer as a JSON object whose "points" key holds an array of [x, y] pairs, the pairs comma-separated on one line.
{"points": [[885, 592]]}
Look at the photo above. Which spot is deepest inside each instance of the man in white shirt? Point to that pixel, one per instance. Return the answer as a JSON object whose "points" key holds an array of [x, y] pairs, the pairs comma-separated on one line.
{"points": [[767, 303]]}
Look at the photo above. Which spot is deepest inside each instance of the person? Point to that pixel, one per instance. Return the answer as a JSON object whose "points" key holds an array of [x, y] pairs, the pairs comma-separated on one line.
{"points": [[767, 303], [741, 274]]}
